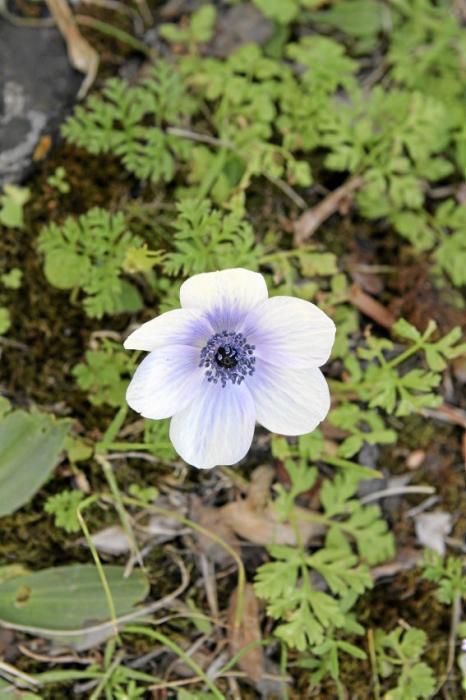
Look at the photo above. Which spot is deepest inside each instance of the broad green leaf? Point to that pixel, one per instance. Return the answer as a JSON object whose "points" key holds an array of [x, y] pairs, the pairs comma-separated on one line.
{"points": [[68, 597], [31, 443]]}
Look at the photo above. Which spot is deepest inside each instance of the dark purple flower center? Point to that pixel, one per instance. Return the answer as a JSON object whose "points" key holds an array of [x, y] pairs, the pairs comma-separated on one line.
{"points": [[227, 357]]}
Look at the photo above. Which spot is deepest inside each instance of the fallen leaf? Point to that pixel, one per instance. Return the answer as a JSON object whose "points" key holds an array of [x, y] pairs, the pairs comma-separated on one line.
{"points": [[111, 540], [264, 527], [213, 520], [432, 528], [248, 632]]}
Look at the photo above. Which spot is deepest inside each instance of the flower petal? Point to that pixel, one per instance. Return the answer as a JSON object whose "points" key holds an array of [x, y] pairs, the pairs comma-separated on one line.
{"points": [[178, 327], [289, 332], [226, 296], [165, 381], [216, 428], [289, 401]]}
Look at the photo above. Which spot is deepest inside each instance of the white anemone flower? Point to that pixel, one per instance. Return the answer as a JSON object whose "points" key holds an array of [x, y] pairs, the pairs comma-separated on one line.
{"points": [[231, 357]]}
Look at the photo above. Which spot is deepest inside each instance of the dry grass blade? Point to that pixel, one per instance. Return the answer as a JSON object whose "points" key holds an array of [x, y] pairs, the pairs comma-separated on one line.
{"points": [[82, 55], [246, 634]]}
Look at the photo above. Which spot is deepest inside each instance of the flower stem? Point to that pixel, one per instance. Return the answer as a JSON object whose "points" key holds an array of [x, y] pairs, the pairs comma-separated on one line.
{"points": [[95, 555]]}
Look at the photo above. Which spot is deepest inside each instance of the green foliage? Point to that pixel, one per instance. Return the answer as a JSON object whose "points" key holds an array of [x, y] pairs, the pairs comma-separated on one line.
{"points": [[12, 278], [207, 239], [31, 445], [363, 426], [157, 440], [5, 320], [198, 31], [309, 616], [63, 506], [399, 651], [58, 180], [358, 524], [12, 203], [448, 574], [130, 122], [284, 11], [105, 374], [362, 20], [77, 450], [360, 89], [89, 253], [386, 384], [68, 597], [145, 494]]}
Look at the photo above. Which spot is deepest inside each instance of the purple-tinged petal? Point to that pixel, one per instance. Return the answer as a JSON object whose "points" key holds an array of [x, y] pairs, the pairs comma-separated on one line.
{"points": [[165, 381], [289, 332], [225, 296], [289, 401], [217, 427], [178, 327]]}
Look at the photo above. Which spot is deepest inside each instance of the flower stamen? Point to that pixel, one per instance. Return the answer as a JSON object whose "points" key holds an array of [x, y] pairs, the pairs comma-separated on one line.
{"points": [[228, 357]]}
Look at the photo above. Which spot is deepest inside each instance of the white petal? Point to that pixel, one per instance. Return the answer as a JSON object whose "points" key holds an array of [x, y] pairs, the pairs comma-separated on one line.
{"points": [[165, 381], [216, 428], [178, 327], [290, 332], [289, 401], [226, 296]]}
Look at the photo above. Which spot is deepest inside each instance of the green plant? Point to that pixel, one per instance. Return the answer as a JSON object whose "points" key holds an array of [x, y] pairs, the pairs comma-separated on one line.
{"points": [[12, 203], [448, 574], [63, 506], [89, 253], [355, 536], [198, 30], [58, 181], [116, 123], [208, 239], [399, 652], [105, 374]]}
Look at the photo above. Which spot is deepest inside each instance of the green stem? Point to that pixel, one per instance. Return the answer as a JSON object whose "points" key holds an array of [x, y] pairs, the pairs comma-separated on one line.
{"points": [[167, 642], [111, 30], [120, 508], [366, 472], [95, 555], [215, 538], [107, 675], [404, 355], [212, 174], [127, 446], [112, 430]]}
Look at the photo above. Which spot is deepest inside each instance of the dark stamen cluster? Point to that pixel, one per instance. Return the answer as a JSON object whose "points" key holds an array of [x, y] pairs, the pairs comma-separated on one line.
{"points": [[228, 358]]}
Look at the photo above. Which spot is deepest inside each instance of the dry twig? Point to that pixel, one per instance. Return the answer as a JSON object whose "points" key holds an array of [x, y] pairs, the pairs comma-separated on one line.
{"points": [[313, 218]]}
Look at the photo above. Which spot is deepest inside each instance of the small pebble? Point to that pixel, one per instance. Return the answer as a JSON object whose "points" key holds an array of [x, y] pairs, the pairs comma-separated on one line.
{"points": [[415, 459]]}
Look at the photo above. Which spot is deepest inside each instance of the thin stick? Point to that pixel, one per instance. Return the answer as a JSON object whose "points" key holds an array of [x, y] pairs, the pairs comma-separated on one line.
{"points": [[371, 307], [12, 671], [310, 221], [396, 491]]}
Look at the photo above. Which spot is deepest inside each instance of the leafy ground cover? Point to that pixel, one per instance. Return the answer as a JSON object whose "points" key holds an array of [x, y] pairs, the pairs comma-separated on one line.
{"points": [[327, 151]]}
